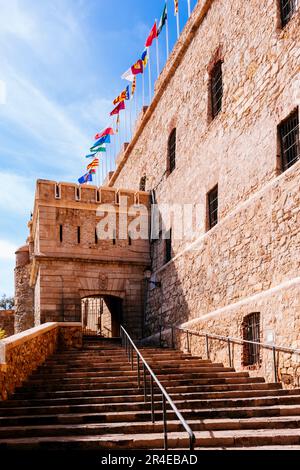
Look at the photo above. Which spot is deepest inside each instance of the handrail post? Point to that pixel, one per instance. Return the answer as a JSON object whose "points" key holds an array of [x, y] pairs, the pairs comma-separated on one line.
{"points": [[207, 347], [229, 353], [164, 409], [138, 370], [188, 341], [152, 400], [160, 336], [275, 365], [131, 357], [145, 384]]}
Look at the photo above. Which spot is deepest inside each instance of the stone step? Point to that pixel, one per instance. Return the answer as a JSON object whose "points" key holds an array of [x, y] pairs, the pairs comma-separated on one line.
{"points": [[141, 416], [176, 440], [100, 376], [132, 391], [139, 398], [58, 374], [149, 427], [140, 406], [123, 382]]}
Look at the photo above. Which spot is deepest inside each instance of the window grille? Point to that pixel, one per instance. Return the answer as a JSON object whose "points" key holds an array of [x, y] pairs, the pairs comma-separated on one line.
{"points": [[172, 151], [213, 206], [251, 332], [287, 9], [216, 89], [289, 140]]}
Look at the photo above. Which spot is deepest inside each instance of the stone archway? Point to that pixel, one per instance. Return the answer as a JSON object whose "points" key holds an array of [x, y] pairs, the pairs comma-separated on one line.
{"points": [[102, 315]]}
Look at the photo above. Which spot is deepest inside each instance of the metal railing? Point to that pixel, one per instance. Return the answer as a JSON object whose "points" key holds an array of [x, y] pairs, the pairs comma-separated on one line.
{"points": [[231, 340], [132, 350]]}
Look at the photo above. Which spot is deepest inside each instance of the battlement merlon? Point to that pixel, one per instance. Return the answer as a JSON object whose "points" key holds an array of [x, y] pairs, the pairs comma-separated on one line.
{"points": [[52, 191], [71, 195]]}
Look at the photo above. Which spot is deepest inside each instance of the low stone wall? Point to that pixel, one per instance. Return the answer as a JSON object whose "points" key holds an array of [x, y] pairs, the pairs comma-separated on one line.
{"points": [[23, 353], [7, 319]]}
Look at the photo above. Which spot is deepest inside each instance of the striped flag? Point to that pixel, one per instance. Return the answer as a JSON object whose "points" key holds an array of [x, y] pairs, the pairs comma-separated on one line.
{"points": [[94, 164], [133, 88], [176, 7]]}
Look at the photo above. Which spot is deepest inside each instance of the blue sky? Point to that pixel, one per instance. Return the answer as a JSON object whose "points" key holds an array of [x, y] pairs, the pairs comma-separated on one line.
{"points": [[61, 63]]}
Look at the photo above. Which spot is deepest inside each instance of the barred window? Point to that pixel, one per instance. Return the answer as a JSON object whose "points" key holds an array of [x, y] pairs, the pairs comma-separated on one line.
{"points": [[287, 9], [172, 151], [251, 332], [289, 140], [213, 206], [216, 89]]}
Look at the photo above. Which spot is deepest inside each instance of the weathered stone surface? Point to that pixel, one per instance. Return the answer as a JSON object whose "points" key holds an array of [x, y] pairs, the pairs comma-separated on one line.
{"points": [[21, 354], [7, 320]]}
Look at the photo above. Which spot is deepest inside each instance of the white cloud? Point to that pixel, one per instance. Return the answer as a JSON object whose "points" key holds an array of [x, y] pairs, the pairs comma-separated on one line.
{"points": [[7, 250], [17, 195]]}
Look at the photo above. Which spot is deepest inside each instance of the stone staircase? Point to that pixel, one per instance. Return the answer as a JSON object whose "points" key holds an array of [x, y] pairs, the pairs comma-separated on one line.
{"points": [[87, 400]]}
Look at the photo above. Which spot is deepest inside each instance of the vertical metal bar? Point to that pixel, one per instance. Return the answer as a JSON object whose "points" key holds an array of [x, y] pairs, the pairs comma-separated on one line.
{"points": [[172, 333], [274, 364], [164, 409], [192, 444], [188, 342], [145, 384], [160, 338], [207, 347], [152, 400], [131, 357], [229, 352], [139, 370]]}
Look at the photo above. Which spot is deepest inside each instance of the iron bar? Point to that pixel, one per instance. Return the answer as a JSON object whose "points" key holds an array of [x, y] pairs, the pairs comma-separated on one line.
{"points": [[172, 336], [275, 365], [229, 352], [164, 409], [188, 342], [138, 370], [152, 400], [145, 384], [207, 347], [131, 357]]}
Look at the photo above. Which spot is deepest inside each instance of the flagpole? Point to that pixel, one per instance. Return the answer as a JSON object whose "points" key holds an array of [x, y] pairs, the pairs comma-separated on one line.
{"points": [[178, 25], [167, 32], [189, 7], [157, 54], [150, 85], [130, 117], [143, 89]]}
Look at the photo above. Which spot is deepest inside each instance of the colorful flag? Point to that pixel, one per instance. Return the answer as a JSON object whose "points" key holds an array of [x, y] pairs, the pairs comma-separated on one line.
{"points": [[98, 149], [94, 164], [108, 131], [125, 95], [176, 6], [119, 108], [163, 20], [133, 87], [137, 68], [86, 178], [152, 35], [145, 57], [100, 142]]}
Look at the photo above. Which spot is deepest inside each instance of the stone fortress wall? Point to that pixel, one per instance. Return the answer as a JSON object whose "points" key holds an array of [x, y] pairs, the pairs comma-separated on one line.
{"points": [[250, 261]]}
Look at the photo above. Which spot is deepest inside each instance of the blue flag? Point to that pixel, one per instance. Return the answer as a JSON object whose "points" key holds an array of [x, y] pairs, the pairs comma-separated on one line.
{"points": [[88, 177], [103, 140], [91, 155]]}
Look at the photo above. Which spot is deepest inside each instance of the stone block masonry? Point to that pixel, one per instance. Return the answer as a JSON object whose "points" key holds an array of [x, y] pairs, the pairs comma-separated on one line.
{"points": [[7, 319], [23, 353]]}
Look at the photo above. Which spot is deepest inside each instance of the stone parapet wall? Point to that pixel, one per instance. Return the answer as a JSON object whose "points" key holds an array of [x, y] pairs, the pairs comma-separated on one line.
{"points": [[23, 353], [7, 319]]}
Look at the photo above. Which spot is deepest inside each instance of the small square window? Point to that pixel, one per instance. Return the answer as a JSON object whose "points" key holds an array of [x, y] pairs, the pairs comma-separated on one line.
{"points": [[213, 207], [289, 140], [216, 89]]}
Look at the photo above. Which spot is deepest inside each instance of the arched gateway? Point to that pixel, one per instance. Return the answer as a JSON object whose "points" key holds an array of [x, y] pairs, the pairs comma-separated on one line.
{"points": [[69, 263]]}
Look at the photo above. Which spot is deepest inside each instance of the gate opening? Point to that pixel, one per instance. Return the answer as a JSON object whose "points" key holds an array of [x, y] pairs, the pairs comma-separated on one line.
{"points": [[101, 316]]}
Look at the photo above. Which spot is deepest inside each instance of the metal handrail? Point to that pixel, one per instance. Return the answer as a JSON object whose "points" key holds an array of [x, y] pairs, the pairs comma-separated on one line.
{"points": [[231, 340], [130, 348]]}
